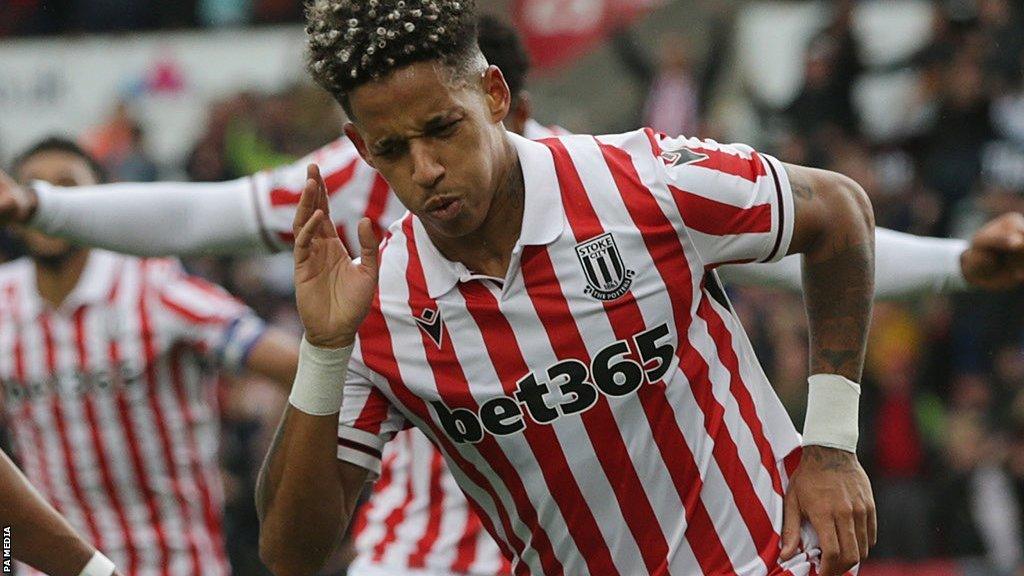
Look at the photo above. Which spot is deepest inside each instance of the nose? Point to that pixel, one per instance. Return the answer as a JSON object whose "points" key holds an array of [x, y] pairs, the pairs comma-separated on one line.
{"points": [[427, 172]]}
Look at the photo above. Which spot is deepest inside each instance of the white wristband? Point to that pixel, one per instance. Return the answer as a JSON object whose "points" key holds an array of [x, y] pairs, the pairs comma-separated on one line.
{"points": [[320, 379], [832, 412], [98, 565]]}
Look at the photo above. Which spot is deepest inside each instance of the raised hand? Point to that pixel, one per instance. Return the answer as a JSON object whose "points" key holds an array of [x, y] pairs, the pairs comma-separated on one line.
{"points": [[17, 204], [832, 492], [333, 292], [995, 258]]}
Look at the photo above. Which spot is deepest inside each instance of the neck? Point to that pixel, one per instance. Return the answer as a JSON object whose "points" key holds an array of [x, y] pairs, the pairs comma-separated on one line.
{"points": [[488, 251], [56, 279]]}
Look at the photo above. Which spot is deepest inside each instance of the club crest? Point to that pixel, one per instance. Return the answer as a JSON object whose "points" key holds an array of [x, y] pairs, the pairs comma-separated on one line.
{"points": [[607, 276], [431, 323]]}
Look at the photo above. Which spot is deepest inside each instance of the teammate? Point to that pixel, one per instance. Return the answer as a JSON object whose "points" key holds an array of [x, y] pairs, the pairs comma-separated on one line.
{"points": [[105, 367], [39, 536], [417, 518], [542, 315]]}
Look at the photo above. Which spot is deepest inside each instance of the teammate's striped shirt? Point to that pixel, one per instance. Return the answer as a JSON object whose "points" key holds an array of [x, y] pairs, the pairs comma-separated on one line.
{"points": [[111, 403], [417, 518], [604, 414]]}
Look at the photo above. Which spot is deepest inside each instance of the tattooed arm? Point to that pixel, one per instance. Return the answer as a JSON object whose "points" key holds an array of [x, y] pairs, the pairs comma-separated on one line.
{"points": [[834, 230]]}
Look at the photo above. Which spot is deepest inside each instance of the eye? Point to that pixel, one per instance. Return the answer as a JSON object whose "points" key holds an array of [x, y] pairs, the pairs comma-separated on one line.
{"points": [[445, 130]]}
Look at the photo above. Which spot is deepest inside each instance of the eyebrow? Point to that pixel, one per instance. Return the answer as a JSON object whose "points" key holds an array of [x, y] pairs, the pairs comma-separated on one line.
{"points": [[435, 122]]}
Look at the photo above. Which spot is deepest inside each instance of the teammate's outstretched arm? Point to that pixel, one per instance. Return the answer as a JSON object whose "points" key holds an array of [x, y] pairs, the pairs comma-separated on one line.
{"points": [[305, 496], [833, 229], [908, 265], [40, 537], [145, 219]]}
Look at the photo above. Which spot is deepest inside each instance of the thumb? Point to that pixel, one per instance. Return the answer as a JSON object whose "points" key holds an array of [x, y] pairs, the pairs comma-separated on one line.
{"points": [[790, 525]]}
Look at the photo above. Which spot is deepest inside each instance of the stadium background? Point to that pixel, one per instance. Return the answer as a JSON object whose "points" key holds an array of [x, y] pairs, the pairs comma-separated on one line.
{"points": [[922, 102]]}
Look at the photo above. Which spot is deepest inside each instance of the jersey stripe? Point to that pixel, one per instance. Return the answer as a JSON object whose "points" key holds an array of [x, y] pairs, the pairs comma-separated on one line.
{"points": [[671, 265], [164, 447], [713, 217], [704, 541], [382, 360], [567, 342], [507, 359], [449, 376], [435, 505]]}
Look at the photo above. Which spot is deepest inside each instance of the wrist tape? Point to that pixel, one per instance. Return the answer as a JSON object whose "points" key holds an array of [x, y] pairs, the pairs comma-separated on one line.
{"points": [[832, 412], [320, 379], [98, 565]]}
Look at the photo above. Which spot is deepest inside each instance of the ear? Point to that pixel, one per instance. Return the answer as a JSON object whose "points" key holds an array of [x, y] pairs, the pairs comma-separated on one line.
{"points": [[353, 134], [499, 99]]}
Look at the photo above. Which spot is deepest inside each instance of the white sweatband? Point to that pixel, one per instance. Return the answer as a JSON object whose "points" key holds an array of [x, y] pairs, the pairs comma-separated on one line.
{"points": [[832, 412], [320, 379], [98, 565]]}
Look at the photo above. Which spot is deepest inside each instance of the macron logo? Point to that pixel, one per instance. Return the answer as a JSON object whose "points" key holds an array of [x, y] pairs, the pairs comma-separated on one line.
{"points": [[432, 325]]}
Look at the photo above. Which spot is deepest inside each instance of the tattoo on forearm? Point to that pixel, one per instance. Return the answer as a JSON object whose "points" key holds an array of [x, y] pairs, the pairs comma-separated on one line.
{"points": [[839, 291]]}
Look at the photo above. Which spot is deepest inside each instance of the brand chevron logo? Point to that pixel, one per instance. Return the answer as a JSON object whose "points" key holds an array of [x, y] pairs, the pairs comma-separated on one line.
{"points": [[431, 323]]}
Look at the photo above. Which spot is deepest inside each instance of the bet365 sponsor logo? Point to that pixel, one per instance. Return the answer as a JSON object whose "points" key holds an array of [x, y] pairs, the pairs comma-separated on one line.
{"points": [[613, 372]]}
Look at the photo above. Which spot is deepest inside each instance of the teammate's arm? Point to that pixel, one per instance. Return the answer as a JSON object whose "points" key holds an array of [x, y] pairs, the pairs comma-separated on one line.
{"points": [[305, 496], [906, 265], [834, 230], [275, 356], [153, 219], [40, 536]]}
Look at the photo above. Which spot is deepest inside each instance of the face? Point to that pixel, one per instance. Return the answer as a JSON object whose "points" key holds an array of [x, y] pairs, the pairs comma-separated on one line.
{"points": [[61, 169], [440, 144]]}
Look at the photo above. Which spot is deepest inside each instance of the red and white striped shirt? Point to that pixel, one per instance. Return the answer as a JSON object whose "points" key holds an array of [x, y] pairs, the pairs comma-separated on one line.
{"points": [[417, 518], [111, 403], [603, 413]]}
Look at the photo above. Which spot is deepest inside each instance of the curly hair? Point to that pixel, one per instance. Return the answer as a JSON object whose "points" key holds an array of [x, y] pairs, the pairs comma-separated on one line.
{"points": [[352, 42]]}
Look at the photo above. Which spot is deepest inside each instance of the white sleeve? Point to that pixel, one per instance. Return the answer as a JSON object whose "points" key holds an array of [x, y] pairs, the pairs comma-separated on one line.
{"points": [[905, 265], [154, 219]]}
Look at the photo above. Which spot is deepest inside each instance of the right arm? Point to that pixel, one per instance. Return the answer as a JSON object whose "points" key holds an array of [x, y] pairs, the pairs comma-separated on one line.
{"points": [[40, 536], [305, 496]]}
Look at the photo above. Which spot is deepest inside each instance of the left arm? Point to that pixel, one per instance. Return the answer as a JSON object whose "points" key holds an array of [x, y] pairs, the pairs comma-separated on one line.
{"points": [[275, 356], [834, 230]]}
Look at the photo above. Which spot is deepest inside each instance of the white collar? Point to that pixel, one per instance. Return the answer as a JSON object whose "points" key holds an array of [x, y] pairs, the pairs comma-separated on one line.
{"points": [[543, 217]]}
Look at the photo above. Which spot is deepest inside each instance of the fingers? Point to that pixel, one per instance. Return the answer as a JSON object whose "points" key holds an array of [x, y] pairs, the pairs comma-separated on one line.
{"points": [[308, 201], [849, 547], [1005, 233], [304, 238], [872, 522], [828, 541], [863, 533], [791, 519], [323, 200], [368, 245]]}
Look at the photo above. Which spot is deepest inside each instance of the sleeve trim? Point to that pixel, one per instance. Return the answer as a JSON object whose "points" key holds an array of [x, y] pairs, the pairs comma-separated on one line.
{"points": [[784, 202]]}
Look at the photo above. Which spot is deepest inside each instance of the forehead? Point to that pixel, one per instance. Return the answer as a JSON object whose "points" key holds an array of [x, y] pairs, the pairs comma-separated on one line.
{"points": [[406, 99], [56, 167]]}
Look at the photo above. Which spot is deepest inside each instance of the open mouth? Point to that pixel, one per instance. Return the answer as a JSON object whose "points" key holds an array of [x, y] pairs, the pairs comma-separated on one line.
{"points": [[444, 208]]}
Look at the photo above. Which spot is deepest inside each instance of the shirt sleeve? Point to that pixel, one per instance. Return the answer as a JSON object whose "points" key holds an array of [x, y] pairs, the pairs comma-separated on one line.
{"points": [[736, 204], [368, 418], [355, 191], [205, 317]]}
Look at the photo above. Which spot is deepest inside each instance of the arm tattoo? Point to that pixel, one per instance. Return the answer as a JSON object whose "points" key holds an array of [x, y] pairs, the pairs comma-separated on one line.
{"points": [[838, 293], [838, 275]]}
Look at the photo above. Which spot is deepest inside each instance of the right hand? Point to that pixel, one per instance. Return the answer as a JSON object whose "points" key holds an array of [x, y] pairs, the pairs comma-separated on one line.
{"points": [[995, 258], [17, 203], [333, 293]]}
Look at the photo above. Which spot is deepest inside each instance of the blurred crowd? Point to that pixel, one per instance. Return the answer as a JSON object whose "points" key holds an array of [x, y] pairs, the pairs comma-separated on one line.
{"points": [[943, 402]]}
